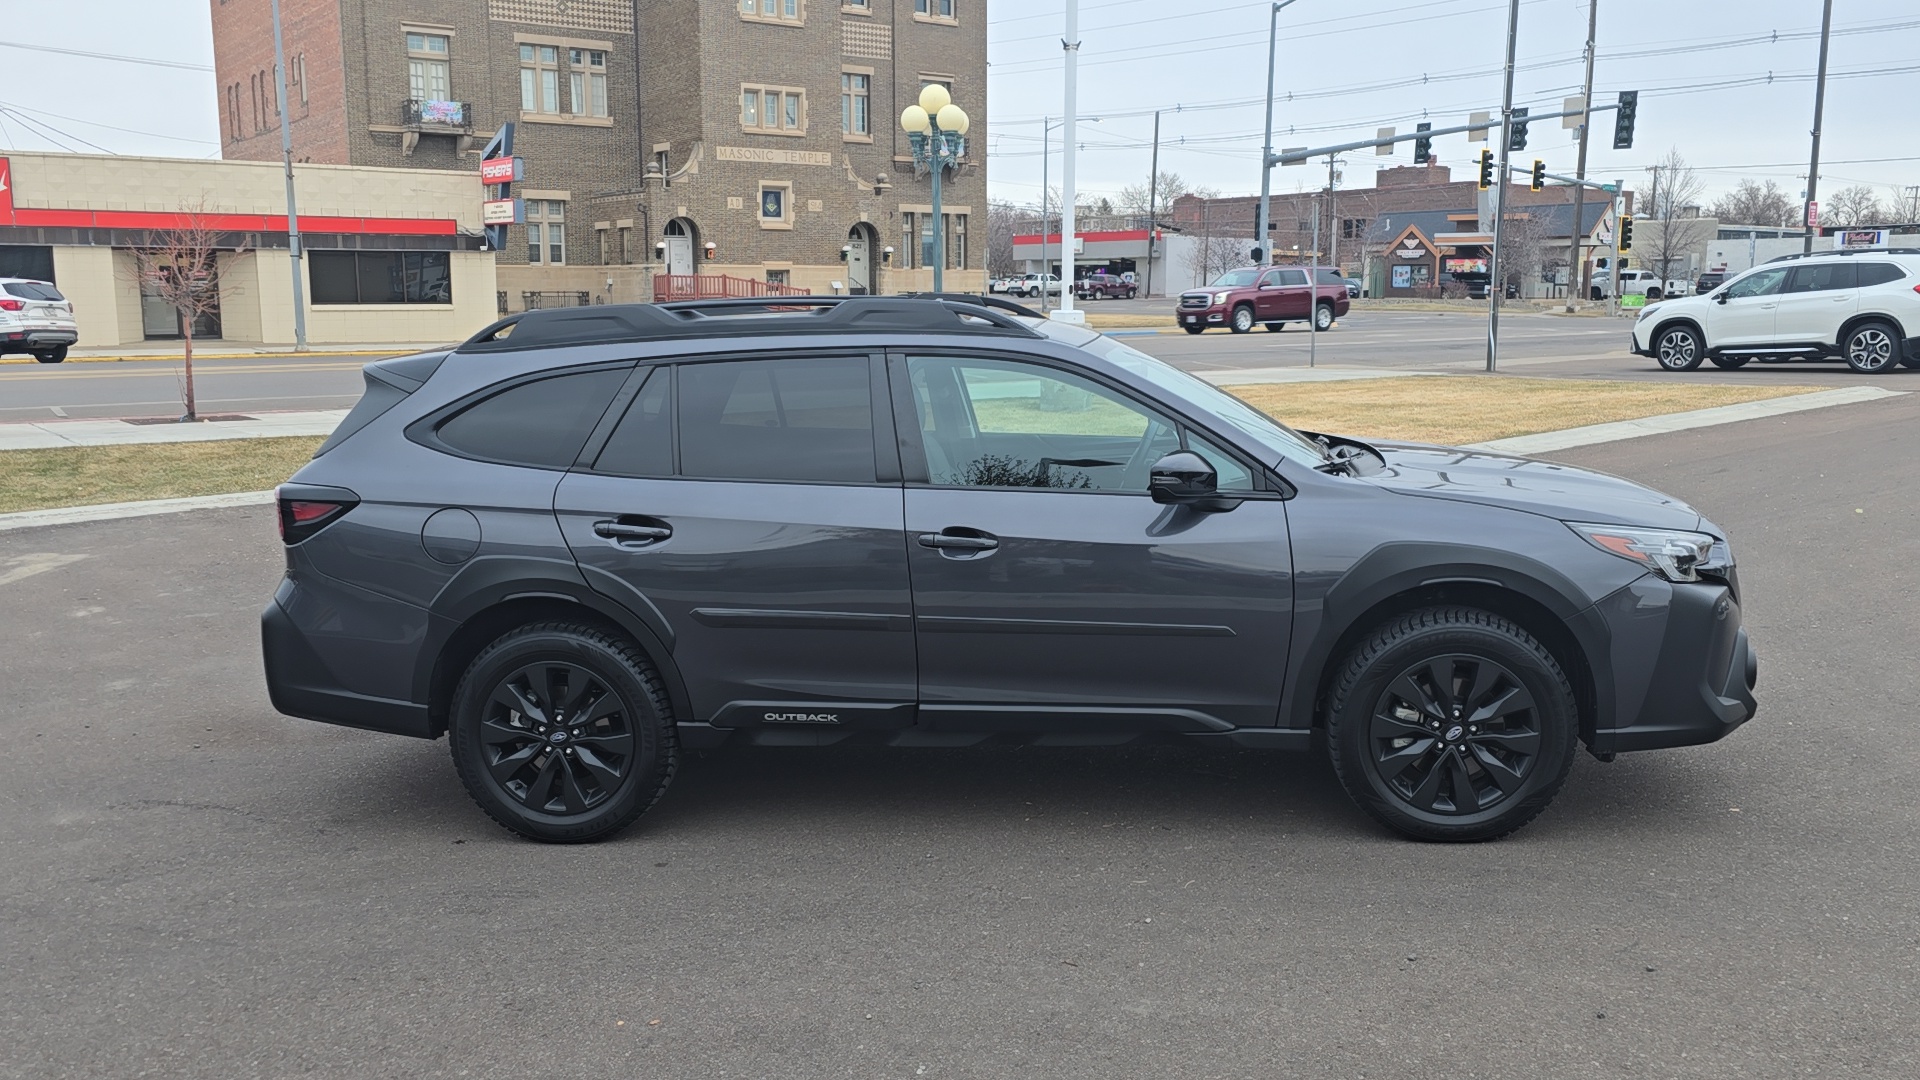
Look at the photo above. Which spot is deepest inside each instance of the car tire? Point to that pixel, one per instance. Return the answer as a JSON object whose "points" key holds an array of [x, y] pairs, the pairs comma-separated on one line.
{"points": [[1872, 348], [1194, 329], [1241, 320], [1323, 317], [1431, 766], [578, 780], [1130, 294], [54, 355], [1594, 293], [1654, 294], [1274, 327], [1731, 363], [1678, 348]]}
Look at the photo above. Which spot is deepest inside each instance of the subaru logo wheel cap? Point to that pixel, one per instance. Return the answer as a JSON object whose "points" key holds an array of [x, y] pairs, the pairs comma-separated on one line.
{"points": [[557, 737], [1454, 732]]}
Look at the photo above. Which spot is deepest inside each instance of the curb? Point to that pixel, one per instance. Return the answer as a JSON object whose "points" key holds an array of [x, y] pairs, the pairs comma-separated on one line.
{"points": [[74, 515]]}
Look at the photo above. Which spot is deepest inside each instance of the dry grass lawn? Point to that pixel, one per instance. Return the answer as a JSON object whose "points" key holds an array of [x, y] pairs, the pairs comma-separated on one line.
{"points": [[1472, 408], [81, 475]]}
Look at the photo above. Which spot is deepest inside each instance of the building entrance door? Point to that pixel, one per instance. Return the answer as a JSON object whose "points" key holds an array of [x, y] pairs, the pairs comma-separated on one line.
{"points": [[160, 319], [679, 248], [859, 262]]}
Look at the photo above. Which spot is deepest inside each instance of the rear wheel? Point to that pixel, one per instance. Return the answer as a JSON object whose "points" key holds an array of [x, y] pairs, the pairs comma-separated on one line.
{"points": [[562, 732], [1594, 293], [1242, 319], [1678, 348], [1654, 294], [1872, 348], [1323, 317], [51, 356], [1274, 327], [1452, 724], [1731, 363]]}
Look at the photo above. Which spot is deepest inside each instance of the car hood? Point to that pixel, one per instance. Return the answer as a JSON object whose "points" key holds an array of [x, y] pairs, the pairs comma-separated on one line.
{"points": [[1527, 484]]}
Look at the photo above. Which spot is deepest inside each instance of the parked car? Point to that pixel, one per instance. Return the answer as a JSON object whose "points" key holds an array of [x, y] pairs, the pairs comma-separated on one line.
{"points": [[1636, 283], [588, 538], [1271, 296], [1035, 284], [36, 319], [1353, 288], [1860, 306], [1104, 286], [1709, 281], [1002, 284]]}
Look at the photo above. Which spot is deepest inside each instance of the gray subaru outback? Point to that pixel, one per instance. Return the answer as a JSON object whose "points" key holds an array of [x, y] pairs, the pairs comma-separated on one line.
{"points": [[588, 538]]}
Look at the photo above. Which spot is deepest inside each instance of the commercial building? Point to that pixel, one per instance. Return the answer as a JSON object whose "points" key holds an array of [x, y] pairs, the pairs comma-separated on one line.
{"points": [[390, 254], [748, 139]]}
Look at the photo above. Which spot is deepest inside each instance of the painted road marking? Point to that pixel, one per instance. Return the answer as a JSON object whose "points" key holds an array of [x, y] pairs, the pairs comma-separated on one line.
{"points": [[25, 566]]}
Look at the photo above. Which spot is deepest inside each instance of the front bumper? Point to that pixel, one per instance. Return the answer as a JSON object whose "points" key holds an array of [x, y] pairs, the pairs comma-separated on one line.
{"points": [[1211, 315], [1703, 667]]}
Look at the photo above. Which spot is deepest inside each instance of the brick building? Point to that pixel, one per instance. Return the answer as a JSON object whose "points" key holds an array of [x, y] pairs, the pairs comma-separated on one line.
{"points": [[751, 138]]}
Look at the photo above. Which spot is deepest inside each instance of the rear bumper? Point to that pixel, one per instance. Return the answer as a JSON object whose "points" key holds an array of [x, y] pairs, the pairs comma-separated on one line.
{"points": [[18, 338], [1703, 676], [300, 684]]}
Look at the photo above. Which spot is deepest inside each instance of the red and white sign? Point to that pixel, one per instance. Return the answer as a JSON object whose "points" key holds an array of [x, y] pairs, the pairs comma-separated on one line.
{"points": [[1813, 215], [504, 170], [6, 190]]}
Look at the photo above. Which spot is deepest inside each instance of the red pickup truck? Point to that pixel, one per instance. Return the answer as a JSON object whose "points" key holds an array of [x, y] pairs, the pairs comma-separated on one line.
{"points": [[1104, 287], [1271, 296]]}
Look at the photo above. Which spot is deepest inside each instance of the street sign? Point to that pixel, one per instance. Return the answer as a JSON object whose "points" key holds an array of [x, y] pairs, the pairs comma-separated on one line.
{"points": [[1385, 149], [1576, 108], [506, 170], [1813, 215], [503, 211], [1481, 121], [1293, 150]]}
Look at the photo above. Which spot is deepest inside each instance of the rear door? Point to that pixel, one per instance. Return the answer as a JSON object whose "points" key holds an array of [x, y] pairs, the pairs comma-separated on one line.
{"points": [[751, 508], [1815, 300]]}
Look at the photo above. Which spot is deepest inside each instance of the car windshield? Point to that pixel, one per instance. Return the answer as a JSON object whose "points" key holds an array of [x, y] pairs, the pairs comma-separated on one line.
{"points": [[1270, 433], [1237, 279]]}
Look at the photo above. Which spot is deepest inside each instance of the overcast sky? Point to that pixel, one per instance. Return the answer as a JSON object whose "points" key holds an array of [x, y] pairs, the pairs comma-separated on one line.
{"points": [[1728, 82]]}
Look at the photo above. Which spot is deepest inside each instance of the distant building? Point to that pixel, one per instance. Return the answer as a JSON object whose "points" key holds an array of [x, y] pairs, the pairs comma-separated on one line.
{"points": [[750, 138]]}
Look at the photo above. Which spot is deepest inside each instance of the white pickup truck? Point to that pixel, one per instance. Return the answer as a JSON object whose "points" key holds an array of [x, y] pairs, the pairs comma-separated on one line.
{"points": [[1035, 284], [1637, 283]]}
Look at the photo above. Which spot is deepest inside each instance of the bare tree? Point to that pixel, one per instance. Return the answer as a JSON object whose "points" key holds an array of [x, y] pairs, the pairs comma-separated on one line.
{"points": [[1211, 256], [1903, 203], [1673, 211], [1133, 197], [1003, 221], [1523, 249], [179, 265], [1756, 204], [1852, 206]]}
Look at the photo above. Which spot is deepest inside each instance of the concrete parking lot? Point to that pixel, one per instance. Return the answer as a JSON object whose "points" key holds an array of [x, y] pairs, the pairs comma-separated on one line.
{"points": [[197, 886]]}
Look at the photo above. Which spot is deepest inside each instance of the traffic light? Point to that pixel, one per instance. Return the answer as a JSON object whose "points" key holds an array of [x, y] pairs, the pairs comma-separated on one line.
{"points": [[1626, 232], [1423, 146], [1623, 119], [1486, 169], [1517, 131], [1539, 175], [1258, 257]]}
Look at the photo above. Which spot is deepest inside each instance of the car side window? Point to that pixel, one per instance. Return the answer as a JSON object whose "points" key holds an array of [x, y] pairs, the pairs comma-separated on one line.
{"points": [[1878, 274], [1327, 276], [997, 423], [1823, 277], [795, 420], [541, 424], [1293, 277], [1270, 279], [1760, 283], [642, 442], [1231, 475]]}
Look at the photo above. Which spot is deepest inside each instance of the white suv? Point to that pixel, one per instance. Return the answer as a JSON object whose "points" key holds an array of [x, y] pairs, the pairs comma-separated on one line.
{"points": [[35, 319], [1859, 306]]}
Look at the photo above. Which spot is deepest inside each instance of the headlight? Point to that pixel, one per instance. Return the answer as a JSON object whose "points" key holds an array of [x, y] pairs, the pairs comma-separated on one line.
{"points": [[1644, 312], [1220, 297], [1676, 556]]}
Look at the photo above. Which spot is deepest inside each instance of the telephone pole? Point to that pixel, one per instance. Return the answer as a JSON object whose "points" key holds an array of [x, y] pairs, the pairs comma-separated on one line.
{"points": [[1153, 191], [1576, 266], [293, 211], [1819, 103], [1496, 289]]}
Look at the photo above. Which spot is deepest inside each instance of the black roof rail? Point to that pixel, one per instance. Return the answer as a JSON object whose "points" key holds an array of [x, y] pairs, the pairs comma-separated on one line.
{"points": [[1845, 251], [999, 303], [606, 324]]}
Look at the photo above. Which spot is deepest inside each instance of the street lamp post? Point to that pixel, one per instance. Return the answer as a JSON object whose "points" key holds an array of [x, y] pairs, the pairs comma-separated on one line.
{"points": [[1047, 124], [936, 129], [1264, 227]]}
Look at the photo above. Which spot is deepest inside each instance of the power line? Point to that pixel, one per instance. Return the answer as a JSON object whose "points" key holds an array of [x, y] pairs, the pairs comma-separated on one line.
{"points": [[109, 127], [107, 56]]}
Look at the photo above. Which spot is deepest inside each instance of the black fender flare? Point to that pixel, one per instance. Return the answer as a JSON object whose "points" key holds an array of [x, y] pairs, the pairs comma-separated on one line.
{"points": [[1410, 567]]}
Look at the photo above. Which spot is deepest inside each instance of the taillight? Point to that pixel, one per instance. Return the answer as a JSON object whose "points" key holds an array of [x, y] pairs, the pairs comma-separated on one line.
{"points": [[13, 305], [301, 518]]}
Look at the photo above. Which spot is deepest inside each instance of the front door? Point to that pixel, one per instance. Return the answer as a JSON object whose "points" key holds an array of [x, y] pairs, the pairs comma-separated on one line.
{"points": [[1051, 593], [742, 507], [859, 264], [679, 255], [1747, 317], [1815, 301]]}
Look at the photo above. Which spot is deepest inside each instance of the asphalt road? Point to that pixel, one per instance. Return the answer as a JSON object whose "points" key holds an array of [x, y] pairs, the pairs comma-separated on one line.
{"points": [[196, 886], [1546, 346]]}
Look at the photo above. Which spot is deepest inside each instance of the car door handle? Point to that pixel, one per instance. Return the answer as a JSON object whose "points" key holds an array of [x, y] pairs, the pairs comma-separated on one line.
{"points": [[628, 534], [958, 543]]}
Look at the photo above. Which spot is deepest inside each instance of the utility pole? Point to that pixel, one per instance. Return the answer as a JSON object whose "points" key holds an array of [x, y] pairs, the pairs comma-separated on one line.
{"points": [[1069, 197], [1153, 190], [293, 211], [1819, 103], [1496, 289], [1263, 229], [1333, 232], [1613, 281], [1576, 266], [1046, 158], [1313, 290]]}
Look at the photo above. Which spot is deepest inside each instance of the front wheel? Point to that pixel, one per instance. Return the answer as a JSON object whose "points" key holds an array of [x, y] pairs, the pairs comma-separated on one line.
{"points": [[1194, 329], [1452, 724], [562, 732], [1130, 294], [1678, 348], [1242, 319], [1323, 317], [1654, 294], [1872, 348]]}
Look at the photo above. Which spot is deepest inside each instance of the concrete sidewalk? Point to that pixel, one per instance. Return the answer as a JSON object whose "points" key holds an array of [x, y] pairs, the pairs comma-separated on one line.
{"points": [[220, 350]]}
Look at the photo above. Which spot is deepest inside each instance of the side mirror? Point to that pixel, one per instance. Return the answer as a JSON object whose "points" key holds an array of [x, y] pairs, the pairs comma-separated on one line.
{"points": [[1182, 477], [1720, 299]]}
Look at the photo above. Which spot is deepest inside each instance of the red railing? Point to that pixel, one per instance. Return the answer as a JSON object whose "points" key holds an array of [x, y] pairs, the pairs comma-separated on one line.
{"points": [[715, 286]]}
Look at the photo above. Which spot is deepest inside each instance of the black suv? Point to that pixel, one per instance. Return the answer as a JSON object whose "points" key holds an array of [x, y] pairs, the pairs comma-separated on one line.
{"points": [[587, 538]]}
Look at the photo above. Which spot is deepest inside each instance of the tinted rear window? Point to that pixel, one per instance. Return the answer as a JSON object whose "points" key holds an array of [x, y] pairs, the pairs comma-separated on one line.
{"points": [[33, 290], [541, 424], [1879, 273], [642, 443], [1329, 277], [1822, 277], [777, 420]]}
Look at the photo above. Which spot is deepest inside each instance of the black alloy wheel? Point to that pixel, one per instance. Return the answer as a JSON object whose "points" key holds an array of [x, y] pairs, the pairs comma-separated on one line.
{"points": [[1241, 319], [1452, 724], [1678, 348], [562, 732], [1872, 348]]}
